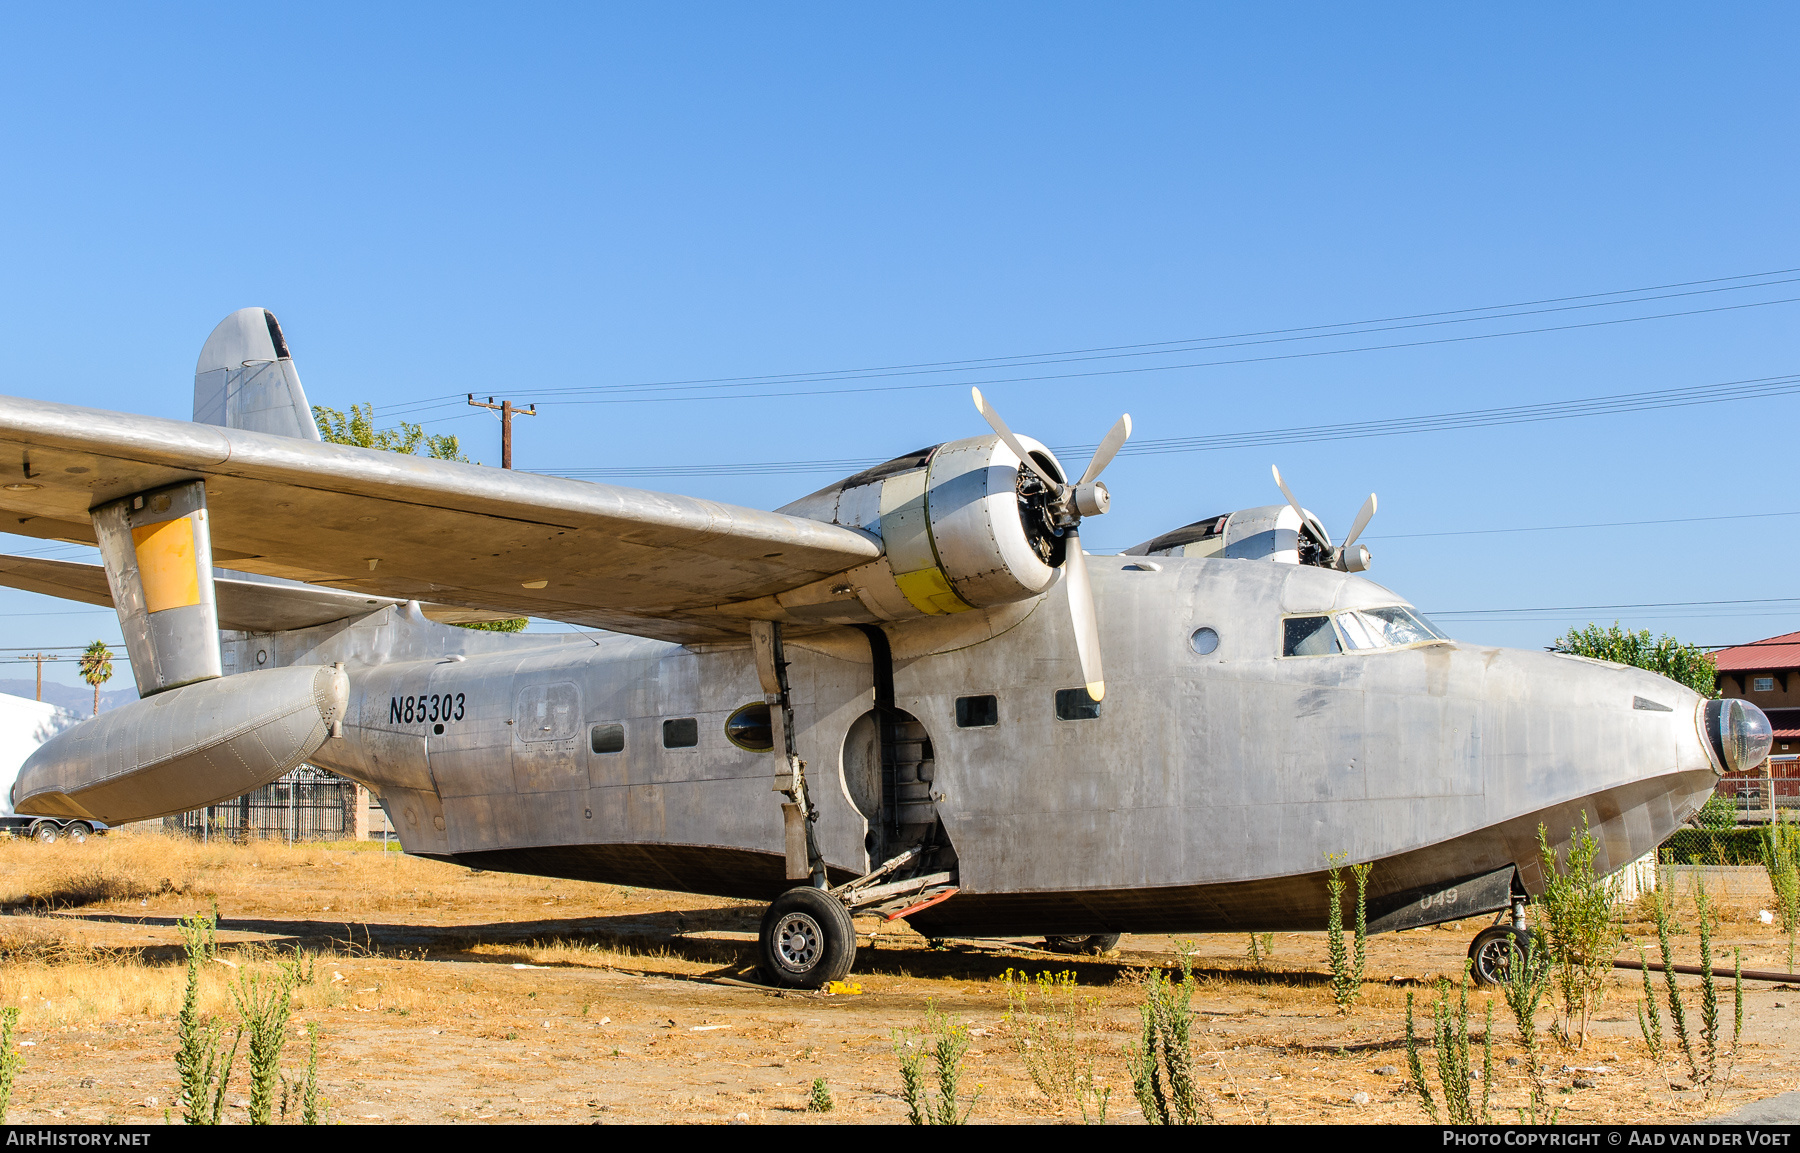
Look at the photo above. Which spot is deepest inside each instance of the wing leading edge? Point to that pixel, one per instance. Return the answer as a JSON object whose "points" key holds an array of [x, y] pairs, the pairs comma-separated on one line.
{"points": [[388, 525]]}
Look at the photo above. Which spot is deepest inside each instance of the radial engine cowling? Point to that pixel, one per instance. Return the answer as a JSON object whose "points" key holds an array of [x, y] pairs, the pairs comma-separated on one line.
{"points": [[184, 748], [962, 527]]}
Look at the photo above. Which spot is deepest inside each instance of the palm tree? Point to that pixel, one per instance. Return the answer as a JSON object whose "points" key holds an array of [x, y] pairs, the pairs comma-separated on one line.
{"points": [[96, 669]]}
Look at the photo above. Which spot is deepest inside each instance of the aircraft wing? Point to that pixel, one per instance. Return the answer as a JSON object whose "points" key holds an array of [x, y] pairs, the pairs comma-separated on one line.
{"points": [[384, 524], [249, 605]]}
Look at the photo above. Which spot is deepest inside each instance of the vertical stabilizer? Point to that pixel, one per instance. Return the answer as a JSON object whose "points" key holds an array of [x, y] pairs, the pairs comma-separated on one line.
{"points": [[246, 379]]}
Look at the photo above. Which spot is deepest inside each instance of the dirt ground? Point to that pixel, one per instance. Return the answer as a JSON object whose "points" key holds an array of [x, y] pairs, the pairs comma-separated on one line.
{"points": [[441, 994]]}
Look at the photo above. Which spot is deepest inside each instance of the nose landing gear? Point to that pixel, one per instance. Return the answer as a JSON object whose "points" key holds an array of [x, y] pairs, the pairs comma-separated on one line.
{"points": [[1490, 954]]}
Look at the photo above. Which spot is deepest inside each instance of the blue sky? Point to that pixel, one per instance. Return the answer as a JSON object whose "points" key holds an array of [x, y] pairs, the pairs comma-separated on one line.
{"points": [[442, 199]]}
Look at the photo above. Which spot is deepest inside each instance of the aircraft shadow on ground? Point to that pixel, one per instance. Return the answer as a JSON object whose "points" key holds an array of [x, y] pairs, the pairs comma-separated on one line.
{"points": [[670, 934]]}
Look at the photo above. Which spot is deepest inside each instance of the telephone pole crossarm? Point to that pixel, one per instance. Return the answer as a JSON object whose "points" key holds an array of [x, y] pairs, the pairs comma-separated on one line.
{"points": [[507, 412]]}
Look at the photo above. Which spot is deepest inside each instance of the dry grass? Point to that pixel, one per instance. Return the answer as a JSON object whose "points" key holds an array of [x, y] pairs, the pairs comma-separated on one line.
{"points": [[470, 996]]}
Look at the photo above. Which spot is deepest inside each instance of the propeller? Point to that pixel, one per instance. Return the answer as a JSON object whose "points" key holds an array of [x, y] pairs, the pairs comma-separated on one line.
{"points": [[1347, 557], [1068, 504]]}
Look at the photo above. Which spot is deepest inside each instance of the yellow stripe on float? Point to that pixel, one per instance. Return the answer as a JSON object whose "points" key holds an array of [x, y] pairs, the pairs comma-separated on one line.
{"points": [[165, 556]]}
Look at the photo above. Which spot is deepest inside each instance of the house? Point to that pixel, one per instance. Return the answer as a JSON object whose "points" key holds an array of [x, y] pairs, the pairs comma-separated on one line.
{"points": [[1767, 674]]}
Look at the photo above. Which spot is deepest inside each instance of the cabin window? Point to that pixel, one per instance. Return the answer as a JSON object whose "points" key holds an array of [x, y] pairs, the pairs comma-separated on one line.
{"points": [[1762, 684], [1204, 641], [1308, 637], [607, 738], [751, 728], [1076, 705], [977, 712], [682, 733]]}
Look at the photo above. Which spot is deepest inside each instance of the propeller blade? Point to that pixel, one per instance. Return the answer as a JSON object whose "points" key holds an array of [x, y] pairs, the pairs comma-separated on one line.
{"points": [[1109, 448], [1282, 485], [1362, 521], [1305, 518], [1012, 442], [1081, 610]]}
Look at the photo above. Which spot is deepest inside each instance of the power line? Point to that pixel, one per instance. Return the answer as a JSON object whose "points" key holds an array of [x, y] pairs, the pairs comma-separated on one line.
{"points": [[1614, 608], [1642, 401], [990, 382], [1597, 524], [1193, 344]]}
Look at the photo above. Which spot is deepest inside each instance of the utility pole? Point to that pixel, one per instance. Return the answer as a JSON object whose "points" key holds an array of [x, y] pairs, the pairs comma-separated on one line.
{"points": [[507, 412], [40, 658]]}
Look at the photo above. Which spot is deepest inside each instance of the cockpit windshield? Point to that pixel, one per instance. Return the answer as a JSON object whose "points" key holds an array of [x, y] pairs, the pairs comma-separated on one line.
{"points": [[1360, 630]]}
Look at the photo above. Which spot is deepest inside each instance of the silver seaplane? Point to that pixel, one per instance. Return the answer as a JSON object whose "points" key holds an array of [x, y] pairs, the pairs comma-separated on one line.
{"points": [[883, 699]]}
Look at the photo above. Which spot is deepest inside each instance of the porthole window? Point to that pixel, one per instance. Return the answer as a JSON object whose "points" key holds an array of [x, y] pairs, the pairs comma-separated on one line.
{"points": [[683, 733], [1204, 640], [1076, 705], [751, 728], [977, 712], [607, 738]]}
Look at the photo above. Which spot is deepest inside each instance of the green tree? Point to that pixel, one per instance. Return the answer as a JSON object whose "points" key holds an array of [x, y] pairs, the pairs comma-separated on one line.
{"points": [[1683, 664], [96, 669], [358, 428]]}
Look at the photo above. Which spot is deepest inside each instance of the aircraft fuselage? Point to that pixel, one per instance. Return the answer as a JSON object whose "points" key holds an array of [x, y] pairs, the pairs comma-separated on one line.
{"points": [[1205, 795]]}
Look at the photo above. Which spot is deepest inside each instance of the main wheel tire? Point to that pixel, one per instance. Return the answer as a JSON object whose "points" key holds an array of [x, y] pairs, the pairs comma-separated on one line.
{"points": [[45, 833], [1098, 944], [76, 832], [1490, 954], [807, 940]]}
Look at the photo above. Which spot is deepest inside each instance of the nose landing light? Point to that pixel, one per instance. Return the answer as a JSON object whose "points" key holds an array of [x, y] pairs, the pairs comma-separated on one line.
{"points": [[1738, 733]]}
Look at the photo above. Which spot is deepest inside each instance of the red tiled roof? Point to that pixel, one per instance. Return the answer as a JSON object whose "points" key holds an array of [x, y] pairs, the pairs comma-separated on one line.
{"points": [[1785, 722], [1782, 652]]}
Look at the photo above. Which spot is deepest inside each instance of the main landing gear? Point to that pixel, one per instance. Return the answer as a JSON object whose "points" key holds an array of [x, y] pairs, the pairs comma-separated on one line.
{"points": [[1491, 953], [807, 940]]}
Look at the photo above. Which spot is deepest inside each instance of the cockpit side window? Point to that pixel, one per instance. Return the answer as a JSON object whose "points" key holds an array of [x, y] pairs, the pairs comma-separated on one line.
{"points": [[1308, 637]]}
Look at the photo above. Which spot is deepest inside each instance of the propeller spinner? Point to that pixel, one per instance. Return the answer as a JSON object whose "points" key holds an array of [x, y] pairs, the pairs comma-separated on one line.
{"points": [[1347, 557], [1068, 504]]}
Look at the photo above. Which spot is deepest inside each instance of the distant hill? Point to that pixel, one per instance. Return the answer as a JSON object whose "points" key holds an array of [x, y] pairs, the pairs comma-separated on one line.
{"points": [[78, 699]]}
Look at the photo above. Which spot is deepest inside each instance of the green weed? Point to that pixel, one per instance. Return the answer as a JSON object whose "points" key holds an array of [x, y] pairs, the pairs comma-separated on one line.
{"points": [[1162, 1063], [1051, 1028], [1580, 928], [951, 1042]]}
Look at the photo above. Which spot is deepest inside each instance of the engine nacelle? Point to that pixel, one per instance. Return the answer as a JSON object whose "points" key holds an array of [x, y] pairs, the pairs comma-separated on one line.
{"points": [[1272, 532], [185, 747], [962, 527]]}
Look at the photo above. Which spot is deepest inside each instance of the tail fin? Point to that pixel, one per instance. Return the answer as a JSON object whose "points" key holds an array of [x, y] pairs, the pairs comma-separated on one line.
{"points": [[246, 379]]}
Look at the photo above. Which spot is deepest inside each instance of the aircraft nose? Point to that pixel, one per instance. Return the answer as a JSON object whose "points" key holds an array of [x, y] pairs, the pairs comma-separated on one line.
{"points": [[1738, 733]]}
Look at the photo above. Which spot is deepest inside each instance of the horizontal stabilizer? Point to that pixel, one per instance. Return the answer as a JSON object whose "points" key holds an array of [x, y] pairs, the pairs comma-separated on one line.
{"points": [[184, 748], [246, 605]]}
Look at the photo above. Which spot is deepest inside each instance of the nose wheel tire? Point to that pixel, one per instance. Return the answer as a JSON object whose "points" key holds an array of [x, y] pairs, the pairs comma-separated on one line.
{"points": [[807, 940], [1097, 945], [1490, 955]]}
